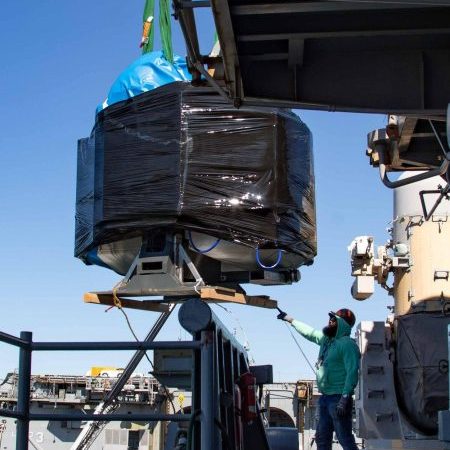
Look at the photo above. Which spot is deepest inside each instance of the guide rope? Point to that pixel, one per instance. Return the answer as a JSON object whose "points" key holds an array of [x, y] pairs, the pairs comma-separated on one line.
{"points": [[119, 306], [247, 342], [301, 350]]}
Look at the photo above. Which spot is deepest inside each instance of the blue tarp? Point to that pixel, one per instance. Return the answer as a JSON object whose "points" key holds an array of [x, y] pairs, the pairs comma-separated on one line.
{"points": [[148, 72]]}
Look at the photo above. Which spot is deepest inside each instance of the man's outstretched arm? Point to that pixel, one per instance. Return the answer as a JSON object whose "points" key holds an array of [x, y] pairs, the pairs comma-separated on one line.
{"points": [[304, 329]]}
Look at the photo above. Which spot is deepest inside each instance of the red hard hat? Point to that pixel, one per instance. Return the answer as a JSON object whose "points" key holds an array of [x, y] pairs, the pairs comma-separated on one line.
{"points": [[345, 314]]}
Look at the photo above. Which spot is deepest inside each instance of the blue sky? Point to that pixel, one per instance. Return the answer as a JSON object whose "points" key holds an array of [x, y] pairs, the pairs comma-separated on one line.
{"points": [[58, 62]]}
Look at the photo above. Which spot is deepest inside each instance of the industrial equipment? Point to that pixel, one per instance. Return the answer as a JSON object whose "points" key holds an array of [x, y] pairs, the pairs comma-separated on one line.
{"points": [[404, 370], [177, 190], [225, 412], [358, 55]]}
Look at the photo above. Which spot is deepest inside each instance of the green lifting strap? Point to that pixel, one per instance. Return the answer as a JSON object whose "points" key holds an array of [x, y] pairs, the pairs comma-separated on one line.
{"points": [[165, 27], [148, 21]]}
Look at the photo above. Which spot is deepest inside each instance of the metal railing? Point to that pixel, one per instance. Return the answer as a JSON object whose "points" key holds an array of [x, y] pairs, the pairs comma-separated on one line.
{"points": [[26, 348], [218, 363]]}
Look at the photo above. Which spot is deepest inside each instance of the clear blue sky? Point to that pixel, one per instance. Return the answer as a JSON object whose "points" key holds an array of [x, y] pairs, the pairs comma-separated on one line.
{"points": [[59, 59]]}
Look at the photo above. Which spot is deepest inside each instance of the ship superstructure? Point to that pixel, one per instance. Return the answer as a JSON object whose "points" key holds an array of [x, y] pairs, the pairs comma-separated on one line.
{"points": [[286, 404]]}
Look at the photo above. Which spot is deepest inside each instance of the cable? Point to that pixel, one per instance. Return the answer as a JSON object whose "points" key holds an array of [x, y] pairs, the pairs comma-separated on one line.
{"points": [[246, 343], [301, 351], [146, 356], [212, 247], [273, 266]]}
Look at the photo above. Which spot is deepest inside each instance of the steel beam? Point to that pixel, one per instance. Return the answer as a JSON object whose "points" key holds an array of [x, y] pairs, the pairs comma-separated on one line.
{"points": [[208, 436], [95, 346], [195, 316], [89, 432], [340, 34], [137, 357], [116, 417], [228, 47], [12, 340], [404, 3], [23, 395], [304, 7], [386, 56]]}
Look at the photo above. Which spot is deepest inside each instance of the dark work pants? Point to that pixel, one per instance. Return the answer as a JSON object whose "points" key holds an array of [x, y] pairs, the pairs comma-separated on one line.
{"points": [[329, 422]]}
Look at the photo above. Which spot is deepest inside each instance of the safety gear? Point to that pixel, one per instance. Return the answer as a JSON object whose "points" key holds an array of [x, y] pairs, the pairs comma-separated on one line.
{"points": [[247, 386], [346, 314], [284, 316], [343, 406], [338, 364]]}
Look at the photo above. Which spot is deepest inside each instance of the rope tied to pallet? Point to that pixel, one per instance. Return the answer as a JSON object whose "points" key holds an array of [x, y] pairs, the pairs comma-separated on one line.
{"points": [[116, 299]]}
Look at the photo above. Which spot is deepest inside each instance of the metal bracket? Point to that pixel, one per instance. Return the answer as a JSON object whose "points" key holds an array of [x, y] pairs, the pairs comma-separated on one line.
{"points": [[195, 4], [420, 177], [443, 193]]}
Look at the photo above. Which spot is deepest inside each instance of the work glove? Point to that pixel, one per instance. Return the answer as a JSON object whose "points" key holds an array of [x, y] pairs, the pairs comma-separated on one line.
{"points": [[343, 406], [284, 316]]}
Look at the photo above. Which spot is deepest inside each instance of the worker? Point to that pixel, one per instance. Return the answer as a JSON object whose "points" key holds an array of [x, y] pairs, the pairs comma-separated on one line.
{"points": [[337, 376]]}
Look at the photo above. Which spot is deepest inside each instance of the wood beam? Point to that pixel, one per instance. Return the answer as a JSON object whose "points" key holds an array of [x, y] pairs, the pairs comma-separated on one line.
{"points": [[218, 295], [107, 299]]}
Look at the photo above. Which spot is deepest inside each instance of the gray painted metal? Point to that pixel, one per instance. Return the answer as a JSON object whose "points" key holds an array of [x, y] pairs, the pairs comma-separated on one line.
{"points": [[23, 396], [385, 57], [444, 416], [282, 438], [137, 357], [209, 432], [86, 416], [219, 361], [377, 416], [116, 417], [92, 430], [196, 315], [173, 368], [13, 340], [95, 346]]}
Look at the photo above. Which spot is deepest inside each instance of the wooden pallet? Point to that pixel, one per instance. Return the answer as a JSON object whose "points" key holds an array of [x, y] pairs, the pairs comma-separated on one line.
{"points": [[107, 299], [219, 294], [208, 294]]}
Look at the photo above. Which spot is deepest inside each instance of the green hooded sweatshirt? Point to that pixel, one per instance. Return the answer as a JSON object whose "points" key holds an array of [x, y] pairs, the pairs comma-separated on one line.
{"points": [[338, 361]]}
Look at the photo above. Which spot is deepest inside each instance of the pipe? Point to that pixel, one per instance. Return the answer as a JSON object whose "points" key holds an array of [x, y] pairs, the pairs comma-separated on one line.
{"points": [[195, 316], [95, 346], [12, 340], [114, 417], [208, 438], [399, 183]]}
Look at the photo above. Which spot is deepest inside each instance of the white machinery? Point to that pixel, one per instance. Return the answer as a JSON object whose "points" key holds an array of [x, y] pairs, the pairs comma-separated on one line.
{"points": [[404, 379]]}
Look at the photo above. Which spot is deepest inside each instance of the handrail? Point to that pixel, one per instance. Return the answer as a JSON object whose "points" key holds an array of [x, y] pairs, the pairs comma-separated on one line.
{"points": [[95, 346], [13, 340], [85, 416]]}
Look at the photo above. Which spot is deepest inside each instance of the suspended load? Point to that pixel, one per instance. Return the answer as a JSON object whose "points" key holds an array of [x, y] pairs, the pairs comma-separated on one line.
{"points": [[237, 184]]}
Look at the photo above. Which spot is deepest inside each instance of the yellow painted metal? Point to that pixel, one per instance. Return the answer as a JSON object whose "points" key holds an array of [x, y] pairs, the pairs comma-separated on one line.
{"points": [[425, 285]]}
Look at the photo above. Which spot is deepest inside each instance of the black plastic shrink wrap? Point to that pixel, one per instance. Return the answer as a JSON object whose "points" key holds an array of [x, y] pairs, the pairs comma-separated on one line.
{"points": [[181, 157]]}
